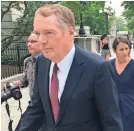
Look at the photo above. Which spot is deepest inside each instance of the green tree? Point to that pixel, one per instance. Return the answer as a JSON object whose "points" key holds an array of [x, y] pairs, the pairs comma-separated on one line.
{"points": [[94, 19], [5, 9], [90, 12], [129, 15], [121, 23], [75, 6], [24, 24]]}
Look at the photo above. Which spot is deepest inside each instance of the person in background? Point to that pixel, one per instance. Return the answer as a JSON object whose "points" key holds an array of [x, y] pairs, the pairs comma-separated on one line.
{"points": [[34, 49], [123, 67], [104, 44]]}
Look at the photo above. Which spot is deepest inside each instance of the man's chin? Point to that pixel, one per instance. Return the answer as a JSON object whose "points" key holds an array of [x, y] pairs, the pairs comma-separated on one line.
{"points": [[46, 55], [31, 52]]}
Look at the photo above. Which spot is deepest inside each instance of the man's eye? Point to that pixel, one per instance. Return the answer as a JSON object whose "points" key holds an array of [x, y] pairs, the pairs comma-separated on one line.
{"points": [[49, 32], [36, 33], [33, 41]]}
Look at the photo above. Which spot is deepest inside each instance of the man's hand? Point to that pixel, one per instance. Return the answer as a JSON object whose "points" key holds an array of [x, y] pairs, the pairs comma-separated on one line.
{"points": [[18, 82]]}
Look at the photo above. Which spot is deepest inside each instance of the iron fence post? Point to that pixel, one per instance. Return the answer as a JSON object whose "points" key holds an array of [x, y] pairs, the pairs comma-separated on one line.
{"points": [[18, 57]]}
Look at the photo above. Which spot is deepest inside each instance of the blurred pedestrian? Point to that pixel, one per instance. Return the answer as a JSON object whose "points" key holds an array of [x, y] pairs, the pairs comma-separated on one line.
{"points": [[34, 49], [124, 78], [104, 44]]}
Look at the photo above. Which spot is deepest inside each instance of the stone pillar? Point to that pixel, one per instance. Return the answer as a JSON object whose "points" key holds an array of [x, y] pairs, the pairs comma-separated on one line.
{"points": [[88, 43], [83, 42], [94, 44]]}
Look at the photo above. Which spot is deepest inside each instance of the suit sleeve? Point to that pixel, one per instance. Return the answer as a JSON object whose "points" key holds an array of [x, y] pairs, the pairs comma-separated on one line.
{"points": [[106, 97], [34, 114]]}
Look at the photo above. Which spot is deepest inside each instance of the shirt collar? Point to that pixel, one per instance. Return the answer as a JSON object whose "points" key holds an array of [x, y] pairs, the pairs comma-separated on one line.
{"points": [[34, 58]]}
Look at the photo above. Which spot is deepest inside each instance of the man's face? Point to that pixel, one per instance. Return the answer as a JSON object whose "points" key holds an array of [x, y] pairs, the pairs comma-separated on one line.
{"points": [[53, 39], [33, 45]]}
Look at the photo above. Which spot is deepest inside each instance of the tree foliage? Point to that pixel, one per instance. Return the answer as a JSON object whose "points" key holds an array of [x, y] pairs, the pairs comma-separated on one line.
{"points": [[24, 23], [11, 4], [129, 15], [94, 19], [89, 10], [121, 23], [5, 9], [90, 13]]}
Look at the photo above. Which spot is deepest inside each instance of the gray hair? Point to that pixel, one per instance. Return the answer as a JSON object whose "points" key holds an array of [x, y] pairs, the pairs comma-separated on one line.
{"points": [[64, 15]]}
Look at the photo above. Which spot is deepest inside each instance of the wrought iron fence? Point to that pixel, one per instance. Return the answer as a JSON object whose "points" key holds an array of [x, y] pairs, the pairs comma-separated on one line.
{"points": [[12, 59]]}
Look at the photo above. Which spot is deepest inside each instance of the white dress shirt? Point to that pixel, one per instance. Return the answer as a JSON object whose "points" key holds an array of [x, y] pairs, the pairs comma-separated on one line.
{"points": [[62, 73]]}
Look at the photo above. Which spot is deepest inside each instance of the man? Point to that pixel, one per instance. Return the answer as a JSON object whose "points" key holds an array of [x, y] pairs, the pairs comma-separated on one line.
{"points": [[34, 49], [73, 88]]}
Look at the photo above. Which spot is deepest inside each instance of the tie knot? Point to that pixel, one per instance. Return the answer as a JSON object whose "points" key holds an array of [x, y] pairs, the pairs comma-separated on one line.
{"points": [[55, 69]]}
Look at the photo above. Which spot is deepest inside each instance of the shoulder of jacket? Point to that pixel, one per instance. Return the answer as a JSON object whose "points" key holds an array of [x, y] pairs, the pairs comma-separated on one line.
{"points": [[26, 60]]}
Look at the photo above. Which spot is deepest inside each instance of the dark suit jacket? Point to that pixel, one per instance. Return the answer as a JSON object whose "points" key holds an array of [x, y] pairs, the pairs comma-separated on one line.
{"points": [[89, 101]]}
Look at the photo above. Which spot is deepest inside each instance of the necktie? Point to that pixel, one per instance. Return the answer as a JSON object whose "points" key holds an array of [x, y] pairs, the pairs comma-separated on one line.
{"points": [[54, 93]]}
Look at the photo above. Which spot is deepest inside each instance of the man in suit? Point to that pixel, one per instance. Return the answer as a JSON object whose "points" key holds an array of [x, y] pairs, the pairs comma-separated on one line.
{"points": [[73, 88]]}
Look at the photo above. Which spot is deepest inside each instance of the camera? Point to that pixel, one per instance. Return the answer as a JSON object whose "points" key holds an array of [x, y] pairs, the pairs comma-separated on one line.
{"points": [[11, 90]]}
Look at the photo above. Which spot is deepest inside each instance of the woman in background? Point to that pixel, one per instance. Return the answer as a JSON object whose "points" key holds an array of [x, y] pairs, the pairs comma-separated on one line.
{"points": [[104, 44], [124, 78]]}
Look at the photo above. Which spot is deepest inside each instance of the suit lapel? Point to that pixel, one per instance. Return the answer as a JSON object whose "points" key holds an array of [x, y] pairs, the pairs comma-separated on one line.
{"points": [[44, 90], [73, 79]]}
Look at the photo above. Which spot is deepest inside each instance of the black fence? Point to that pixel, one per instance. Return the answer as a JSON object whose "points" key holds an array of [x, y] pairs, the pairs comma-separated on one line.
{"points": [[12, 59]]}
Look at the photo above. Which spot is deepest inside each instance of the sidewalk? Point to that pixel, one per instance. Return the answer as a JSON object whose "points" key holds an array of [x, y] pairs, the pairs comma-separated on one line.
{"points": [[15, 113]]}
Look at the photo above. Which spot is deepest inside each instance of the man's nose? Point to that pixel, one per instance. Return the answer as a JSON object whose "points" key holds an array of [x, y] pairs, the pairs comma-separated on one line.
{"points": [[29, 44]]}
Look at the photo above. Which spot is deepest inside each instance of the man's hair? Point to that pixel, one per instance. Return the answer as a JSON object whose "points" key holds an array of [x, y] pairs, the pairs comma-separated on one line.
{"points": [[64, 15]]}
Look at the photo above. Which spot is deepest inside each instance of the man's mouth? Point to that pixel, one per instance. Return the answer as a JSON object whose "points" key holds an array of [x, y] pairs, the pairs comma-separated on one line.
{"points": [[47, 48]]}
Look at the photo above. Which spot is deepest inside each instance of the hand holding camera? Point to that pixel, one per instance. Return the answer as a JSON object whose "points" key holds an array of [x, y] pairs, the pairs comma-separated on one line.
{"points": [[11, 90]]}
